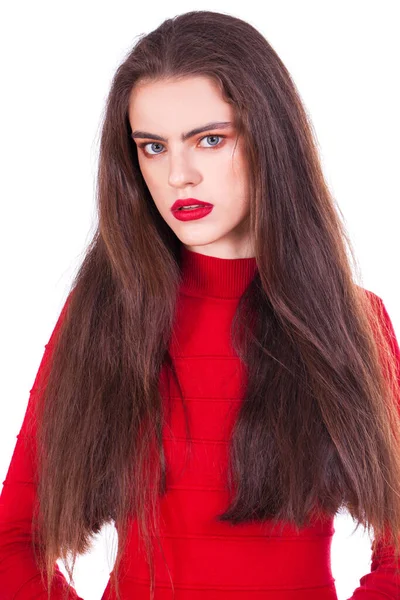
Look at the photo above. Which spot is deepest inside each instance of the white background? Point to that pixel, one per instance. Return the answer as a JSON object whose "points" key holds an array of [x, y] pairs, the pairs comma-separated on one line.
{"points": [[57, 61]]}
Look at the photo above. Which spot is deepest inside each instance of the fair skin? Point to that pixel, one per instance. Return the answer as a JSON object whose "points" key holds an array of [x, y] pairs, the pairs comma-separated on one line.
{"points": [[207, 166]]}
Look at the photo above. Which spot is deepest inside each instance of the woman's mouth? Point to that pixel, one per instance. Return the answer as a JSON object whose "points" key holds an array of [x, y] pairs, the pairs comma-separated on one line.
{"points": [[190, 213]]}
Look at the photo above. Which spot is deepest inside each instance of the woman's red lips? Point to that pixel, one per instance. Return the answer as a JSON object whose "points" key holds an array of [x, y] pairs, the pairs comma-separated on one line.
{"points": [[189, 202], [192, 214]]}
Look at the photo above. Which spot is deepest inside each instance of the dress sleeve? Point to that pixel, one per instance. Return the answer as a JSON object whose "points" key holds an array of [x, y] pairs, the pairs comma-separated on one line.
{"points": [[382, 583], [19, 575]]}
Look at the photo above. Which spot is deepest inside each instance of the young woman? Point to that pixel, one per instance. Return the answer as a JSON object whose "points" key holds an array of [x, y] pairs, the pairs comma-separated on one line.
{"points": [[217, 384]]}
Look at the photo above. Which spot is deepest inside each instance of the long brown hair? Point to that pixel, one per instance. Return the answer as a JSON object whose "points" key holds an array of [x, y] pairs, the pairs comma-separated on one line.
{"points": [[320, 411]]}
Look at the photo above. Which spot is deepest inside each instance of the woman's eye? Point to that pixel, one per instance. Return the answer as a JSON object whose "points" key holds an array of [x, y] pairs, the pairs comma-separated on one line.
{"points": [[152, 144], [211, 136]]}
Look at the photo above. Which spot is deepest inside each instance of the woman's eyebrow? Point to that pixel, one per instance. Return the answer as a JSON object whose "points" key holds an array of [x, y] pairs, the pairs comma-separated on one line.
{"points": [[184, 136]]}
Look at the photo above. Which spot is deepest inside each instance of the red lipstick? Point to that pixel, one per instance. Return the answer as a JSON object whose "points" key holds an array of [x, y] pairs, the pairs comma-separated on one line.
{"points": [[198, 209], [188, 202]]}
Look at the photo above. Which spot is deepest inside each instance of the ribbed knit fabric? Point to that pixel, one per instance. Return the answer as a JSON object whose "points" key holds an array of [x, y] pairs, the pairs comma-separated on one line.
{"points": [[206, 559]]}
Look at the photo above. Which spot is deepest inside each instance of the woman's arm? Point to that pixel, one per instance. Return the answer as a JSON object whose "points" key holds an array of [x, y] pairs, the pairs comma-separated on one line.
{"points": [[19, 574], [382, 581]]}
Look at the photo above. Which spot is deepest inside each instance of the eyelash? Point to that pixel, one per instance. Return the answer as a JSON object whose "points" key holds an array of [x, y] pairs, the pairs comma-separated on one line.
{"points": [[144, 144]]}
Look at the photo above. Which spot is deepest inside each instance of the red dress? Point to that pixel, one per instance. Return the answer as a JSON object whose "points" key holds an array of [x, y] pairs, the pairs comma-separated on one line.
{"points": [[206, 559]]}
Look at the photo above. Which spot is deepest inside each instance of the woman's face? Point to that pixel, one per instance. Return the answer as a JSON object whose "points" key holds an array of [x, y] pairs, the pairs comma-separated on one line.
{"points": [[205, 166]]}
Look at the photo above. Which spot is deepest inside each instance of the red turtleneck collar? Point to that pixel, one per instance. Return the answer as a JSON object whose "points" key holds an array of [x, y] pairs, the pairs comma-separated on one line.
{"points": [[204, 275]]}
